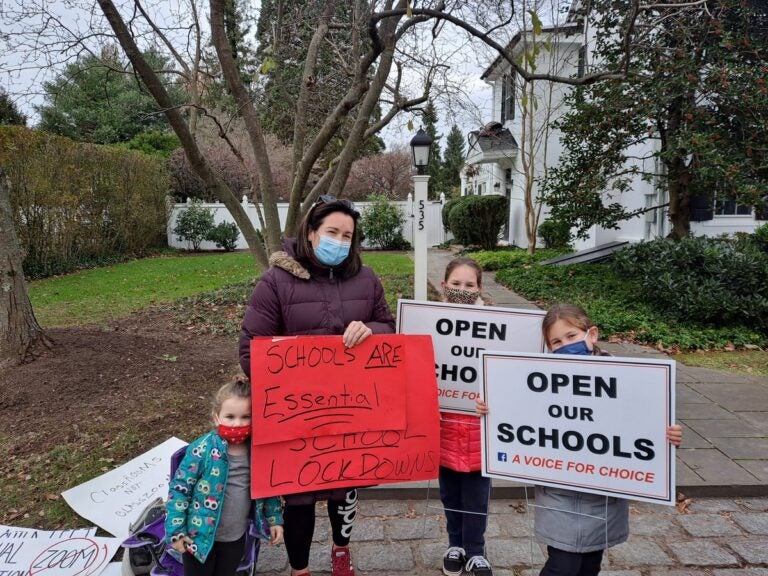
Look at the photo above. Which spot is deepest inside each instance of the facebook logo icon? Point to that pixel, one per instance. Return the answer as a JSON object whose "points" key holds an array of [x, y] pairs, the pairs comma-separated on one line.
{"points": [[502, 456]]}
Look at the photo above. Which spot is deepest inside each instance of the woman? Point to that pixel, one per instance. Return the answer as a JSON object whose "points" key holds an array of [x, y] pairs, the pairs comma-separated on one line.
{"points": [[318, 286]]}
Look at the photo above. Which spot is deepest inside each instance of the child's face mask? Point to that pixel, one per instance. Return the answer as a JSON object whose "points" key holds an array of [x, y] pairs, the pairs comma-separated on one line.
{"points": [[580, 348], [234, 434], [459, 296]]}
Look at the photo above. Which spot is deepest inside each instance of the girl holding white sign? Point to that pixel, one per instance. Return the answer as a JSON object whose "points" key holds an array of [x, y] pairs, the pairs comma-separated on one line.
{"points": [[577, 527], [209, 499], [464, 491]]}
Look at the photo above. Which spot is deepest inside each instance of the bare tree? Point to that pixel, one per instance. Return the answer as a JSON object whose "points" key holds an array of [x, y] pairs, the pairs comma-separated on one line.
{"points": [[20, 333], [540, 102], [387, 174], [401, 62]]}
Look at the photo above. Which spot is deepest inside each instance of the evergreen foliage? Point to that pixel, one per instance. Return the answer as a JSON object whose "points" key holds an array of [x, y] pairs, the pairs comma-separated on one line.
{"points": [[435, 170], [98, 100], [453, 161], [224, 235], [283, 42], [382, 224], [706, 280], [555, 233], [9, 112], [477, 220], [194, 224]]}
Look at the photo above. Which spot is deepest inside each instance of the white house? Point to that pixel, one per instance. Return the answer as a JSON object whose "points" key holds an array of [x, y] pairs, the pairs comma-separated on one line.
{"points": [[518, 140]]}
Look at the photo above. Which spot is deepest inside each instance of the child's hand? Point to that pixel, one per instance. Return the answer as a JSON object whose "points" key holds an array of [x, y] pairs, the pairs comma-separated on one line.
{"points": [[481, 407], [675, 434], [276, 534], [180, 544]]}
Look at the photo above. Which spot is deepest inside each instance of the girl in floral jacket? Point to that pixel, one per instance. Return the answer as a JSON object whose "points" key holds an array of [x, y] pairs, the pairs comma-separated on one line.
{"points": [[209, 501]]}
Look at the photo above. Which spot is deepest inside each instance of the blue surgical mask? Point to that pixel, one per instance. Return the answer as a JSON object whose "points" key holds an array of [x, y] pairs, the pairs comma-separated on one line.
{"points": [[332, 252], [579, 348]]}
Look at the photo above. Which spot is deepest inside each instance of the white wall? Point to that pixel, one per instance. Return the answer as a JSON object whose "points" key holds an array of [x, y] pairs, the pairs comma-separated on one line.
{"points": [[435, 233]]}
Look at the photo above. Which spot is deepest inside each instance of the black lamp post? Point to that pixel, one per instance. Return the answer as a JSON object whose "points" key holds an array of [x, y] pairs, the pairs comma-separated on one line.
{"points": [[421, 146]]}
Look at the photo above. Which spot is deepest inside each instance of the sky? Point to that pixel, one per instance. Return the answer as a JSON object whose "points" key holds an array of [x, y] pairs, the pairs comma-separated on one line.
{"points": [[24, 67]]}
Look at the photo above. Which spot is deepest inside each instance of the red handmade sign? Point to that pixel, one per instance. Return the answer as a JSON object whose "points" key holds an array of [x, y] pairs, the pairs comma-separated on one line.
{"points": [[366, 455], [307, 386]]}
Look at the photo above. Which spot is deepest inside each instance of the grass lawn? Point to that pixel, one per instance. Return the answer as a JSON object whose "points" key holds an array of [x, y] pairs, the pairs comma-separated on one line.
{"points": [[750, 362], [96, 295]]}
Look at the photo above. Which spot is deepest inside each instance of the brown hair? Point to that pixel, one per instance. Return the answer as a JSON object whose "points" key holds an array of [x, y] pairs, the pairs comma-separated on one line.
{"points": [[570, 313], [312, 221], [457, 262], [237, 388]]}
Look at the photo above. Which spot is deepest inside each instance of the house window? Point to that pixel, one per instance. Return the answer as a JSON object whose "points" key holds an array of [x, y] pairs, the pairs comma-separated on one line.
{"points": [[729, 207], [507, 97]]}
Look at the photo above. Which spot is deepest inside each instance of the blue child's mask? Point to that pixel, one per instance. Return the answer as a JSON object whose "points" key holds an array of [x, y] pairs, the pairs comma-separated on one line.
{"points": [[331, 252], [580, 348]]}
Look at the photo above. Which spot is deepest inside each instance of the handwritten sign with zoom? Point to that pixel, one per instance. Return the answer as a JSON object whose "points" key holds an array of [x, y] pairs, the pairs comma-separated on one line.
{"points": [[26, 552], [313, 386], [396, 440]]}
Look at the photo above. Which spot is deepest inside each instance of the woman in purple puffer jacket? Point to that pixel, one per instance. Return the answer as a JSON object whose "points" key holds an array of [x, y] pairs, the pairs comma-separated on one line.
{"points": [[318, 286]]}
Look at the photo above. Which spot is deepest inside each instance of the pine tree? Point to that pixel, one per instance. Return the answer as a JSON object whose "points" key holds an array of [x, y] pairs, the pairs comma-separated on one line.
{"points": [[453, 161], [9, 112], [429, 117]]}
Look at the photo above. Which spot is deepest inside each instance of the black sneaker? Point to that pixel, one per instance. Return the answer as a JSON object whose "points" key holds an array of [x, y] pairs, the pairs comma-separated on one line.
{"points": [[453, 561], [478, 566]]}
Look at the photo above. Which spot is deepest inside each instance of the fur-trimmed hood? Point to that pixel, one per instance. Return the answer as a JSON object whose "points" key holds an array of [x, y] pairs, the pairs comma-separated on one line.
{"points": [[288, 263]]}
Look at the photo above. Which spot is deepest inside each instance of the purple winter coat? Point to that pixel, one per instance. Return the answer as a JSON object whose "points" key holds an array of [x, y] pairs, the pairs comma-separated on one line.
{"points": [[290, 300]]}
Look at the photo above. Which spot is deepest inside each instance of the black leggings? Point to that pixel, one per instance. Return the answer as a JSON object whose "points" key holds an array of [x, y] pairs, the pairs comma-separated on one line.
{"points": [[299, 527], [562, 563], [222, 560]]}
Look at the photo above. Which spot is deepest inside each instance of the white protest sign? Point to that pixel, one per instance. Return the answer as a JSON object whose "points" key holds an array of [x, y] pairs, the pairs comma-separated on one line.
{"points": [[588, 423], [115, 499], [29, 552], [459, 332]]}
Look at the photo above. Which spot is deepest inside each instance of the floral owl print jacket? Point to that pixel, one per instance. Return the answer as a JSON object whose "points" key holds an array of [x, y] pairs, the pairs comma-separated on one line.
{"points": [[196, 493]]}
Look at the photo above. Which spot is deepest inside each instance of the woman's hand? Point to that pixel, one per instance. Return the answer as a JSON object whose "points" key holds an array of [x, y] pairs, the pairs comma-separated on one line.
{"points": [[675, 434], [355, 333], [481, 408], [276, 535]]}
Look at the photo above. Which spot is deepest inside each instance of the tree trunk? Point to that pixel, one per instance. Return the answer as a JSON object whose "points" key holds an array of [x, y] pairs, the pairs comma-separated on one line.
{"points": [[196, 158], [19, 331], [679, 202]]}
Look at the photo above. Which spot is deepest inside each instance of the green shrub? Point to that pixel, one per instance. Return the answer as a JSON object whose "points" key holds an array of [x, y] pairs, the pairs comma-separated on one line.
{"points": [[78, 204], [760, 237], [382, 223], [224, 235], [706, 280], [154, 142], [613, 304], [477, 220], [499, 259], [194, 224], [555, 233], [446, 211]]}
